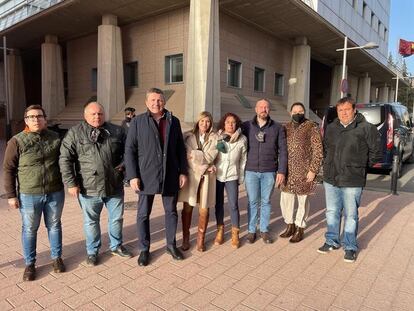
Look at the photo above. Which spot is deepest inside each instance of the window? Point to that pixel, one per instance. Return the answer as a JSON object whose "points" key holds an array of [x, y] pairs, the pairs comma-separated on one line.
{"points": [[259, 76], [385, 33], [174, 68], [279, 84], [234, 73], [379, 27], [131, 74], [355, 4], [372, 18], [94, 79]]}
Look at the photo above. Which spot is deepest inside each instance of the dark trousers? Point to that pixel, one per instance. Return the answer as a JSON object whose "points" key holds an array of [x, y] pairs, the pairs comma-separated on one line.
{"points": [[232, 190], [145, 202]]}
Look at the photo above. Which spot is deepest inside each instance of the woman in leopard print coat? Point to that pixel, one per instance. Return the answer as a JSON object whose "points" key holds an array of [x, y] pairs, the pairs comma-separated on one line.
{"points": [[305, 154]]}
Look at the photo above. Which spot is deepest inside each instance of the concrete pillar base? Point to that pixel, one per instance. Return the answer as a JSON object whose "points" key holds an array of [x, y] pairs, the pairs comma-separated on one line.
{"points": [[383, 94], [111, 89], [203, 61], [336, 84], [364, 88], [299, 81], [53, 94]]}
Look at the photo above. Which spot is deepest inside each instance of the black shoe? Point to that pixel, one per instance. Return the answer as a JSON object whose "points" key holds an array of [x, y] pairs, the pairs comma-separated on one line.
{"points": [[92, 260], [58, 266], [251, 237], [121, 252], [326, 248], [143, 258], [175, 253], [350, 256], [29, 273], [266, 237]]}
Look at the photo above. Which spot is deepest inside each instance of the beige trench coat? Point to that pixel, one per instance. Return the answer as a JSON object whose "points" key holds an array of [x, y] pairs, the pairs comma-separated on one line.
{"points": [[198, 163]]}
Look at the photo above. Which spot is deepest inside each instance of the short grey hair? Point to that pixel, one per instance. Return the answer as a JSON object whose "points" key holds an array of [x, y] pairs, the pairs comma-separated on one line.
{"points": [[154, 90]]}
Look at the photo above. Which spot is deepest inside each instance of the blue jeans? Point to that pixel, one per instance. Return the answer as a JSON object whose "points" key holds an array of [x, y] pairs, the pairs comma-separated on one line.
{"points": [[259, 186], [31, 208], [232, 189], [92, 207], [340, 199]]}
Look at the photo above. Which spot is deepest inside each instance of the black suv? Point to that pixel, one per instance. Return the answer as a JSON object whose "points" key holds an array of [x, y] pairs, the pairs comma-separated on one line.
{"points": [[394, 124]]}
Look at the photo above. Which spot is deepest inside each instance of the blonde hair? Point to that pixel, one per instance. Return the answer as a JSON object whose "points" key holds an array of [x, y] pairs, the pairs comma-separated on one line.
{"points": [[202, 115]]}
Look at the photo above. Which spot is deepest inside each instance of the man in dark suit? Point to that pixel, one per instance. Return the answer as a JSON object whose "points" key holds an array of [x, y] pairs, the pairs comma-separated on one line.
{"points": [[156, 163]]}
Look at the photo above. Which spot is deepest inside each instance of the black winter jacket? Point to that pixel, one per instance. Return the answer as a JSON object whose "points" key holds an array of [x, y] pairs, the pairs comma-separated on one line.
{"points": [[157, 169], [94, 167], [349, 150], [270, 155]]}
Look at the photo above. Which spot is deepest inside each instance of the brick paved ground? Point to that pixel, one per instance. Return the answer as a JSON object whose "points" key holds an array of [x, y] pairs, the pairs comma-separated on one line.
{"points": [[280, 276]]}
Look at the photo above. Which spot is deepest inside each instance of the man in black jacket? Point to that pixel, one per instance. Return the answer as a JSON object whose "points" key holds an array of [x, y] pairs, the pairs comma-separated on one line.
{"points": [[91, 166], [351, 144], [156, 163]]}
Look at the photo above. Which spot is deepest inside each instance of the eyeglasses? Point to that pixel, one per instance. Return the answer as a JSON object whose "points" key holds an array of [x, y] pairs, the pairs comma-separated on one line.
{"points": [[35, 117]]}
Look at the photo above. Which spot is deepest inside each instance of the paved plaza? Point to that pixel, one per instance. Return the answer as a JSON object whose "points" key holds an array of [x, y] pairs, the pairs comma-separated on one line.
{"points": [[280, 276]]}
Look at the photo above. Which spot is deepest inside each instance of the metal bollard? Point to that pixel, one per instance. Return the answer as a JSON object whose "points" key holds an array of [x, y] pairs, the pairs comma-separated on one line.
{"points": [[394, 174]]}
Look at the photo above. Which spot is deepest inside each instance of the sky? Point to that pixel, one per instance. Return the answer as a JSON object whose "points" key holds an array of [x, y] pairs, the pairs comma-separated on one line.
{"points": [[401, 27]]}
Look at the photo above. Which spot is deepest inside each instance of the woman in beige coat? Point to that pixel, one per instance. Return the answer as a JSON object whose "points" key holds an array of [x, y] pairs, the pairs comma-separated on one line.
{"points": [[201, 146]]}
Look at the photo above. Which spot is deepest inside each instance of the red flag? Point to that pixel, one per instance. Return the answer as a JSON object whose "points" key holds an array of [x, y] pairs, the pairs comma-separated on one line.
{"points": [[406, 48]]}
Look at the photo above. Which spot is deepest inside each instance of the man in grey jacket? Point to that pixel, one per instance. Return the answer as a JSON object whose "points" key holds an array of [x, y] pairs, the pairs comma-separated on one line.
{"points": [[91, 163]]}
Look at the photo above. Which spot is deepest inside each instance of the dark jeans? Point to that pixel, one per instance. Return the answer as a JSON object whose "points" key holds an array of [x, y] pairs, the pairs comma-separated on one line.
{"points": [[145, 202], [232, 190]]}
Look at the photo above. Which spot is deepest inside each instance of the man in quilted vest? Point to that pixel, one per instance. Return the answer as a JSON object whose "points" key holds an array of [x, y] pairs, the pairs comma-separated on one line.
{"points": [[34, 186]]}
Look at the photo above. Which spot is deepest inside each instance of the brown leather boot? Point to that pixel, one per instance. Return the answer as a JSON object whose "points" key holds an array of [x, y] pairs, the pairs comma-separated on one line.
{"points": [[290, 230], [235, 242], [202, 227], [186, 221], [219, 235], [298, 236]]}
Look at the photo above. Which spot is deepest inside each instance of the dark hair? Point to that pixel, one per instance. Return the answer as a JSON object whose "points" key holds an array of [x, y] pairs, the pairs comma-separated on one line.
{"points": [[297, 104], [229, 114], [154, 90], [129, 109], [34, 107], [345, 100], [92, 99]]}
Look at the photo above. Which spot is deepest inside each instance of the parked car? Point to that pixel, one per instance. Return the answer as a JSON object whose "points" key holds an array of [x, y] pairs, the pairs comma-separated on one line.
{"points": [[394, 124]]}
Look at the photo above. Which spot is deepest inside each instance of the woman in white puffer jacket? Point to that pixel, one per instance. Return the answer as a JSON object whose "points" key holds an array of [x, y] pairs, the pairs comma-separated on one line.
{"points": [[230, 164]]}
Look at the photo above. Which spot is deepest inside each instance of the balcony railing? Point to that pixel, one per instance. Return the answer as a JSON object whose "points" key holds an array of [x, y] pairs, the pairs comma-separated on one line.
{"points": [[14, 11]]}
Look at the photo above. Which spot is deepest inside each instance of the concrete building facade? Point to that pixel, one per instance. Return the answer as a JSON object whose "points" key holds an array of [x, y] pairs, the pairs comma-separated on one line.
{"points": [[215, 55]]}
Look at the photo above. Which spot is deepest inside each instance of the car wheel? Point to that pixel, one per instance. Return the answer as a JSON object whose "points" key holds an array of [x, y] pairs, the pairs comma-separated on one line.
{"points": [[411, 158]]}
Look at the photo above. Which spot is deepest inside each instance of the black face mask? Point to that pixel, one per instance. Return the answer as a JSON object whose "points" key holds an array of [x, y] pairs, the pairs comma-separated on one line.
{"points": [[298, 118], [128, 119]]}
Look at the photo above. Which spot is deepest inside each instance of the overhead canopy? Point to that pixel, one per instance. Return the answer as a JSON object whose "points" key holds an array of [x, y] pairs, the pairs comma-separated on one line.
{"points": [[284, 19]]}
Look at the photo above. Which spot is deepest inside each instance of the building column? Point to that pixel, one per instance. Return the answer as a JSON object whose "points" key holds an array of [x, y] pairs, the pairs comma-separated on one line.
{"points": [[364, 88], [53, 93], [373, 94], [383, 94], [203, 61], [300, 74], [111, 89], [391, 95], [336, 84]]}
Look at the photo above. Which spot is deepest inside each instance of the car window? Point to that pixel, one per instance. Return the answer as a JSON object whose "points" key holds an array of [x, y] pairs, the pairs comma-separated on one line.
{"points": [[405, 117], [397, 115], [374, 115]]}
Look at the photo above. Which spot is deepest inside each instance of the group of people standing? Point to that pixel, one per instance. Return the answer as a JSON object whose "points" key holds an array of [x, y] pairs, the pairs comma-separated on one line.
{"points": [[96, 157]]}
